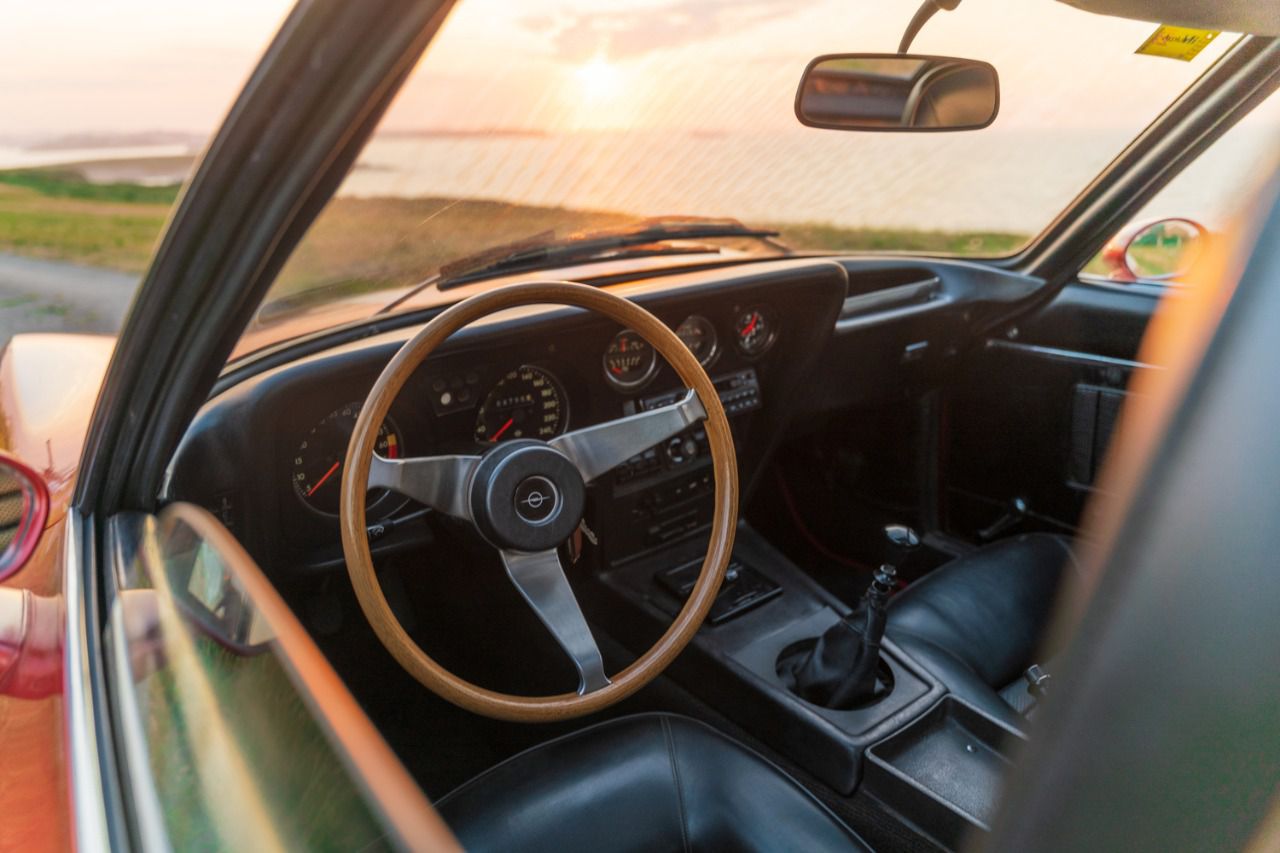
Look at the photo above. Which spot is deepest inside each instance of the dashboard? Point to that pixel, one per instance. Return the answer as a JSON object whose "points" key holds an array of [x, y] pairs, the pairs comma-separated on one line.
{"points": [[266, 453], [781, 340]]}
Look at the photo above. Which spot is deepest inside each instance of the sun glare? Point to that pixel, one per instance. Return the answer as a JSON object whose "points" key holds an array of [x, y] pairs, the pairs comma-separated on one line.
{"points": [[599, 79]]}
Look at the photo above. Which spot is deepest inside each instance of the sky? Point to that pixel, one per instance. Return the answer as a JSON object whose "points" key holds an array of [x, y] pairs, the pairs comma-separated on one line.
{"points": [[709, 63], [125, 66], [76, 66], [626, 91]]}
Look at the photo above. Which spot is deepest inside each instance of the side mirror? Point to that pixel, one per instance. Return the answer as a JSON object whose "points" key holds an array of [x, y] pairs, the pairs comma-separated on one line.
{"points": [[24, 506], [1164, 250], [897, 92]]}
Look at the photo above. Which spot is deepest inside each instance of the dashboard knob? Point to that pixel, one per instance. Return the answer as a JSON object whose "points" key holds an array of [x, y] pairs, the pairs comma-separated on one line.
{"points": [[681, 449]]}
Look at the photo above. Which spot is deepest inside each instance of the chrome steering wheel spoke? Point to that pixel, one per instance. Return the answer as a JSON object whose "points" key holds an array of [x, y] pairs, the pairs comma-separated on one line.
{"points": [[541, 580], [441, 482], [595, 450]]}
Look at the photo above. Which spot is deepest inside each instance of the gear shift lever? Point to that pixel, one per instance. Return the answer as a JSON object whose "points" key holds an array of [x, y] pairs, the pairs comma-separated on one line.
{"points": [[840, 671], [903, 542]]}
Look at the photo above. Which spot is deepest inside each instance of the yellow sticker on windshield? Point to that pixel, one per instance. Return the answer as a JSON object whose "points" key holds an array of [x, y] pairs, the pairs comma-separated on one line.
{"points": [[1177, 42]]}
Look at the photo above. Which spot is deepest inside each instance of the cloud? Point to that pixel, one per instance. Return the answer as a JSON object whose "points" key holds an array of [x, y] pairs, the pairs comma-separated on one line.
{"points": [[634, 32], [538, 24]]}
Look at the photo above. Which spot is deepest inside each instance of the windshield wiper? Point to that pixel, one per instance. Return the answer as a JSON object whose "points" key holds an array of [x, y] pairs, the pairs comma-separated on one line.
{"points": [[544, 249], [585, 245]]}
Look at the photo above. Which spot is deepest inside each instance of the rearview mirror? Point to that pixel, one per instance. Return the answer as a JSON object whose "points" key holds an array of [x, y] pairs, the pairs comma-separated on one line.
{"points": [[890, 91]]}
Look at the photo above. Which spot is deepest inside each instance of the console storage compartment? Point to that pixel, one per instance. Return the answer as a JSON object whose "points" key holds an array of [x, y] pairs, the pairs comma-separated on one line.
{"points": [[944, 770]]}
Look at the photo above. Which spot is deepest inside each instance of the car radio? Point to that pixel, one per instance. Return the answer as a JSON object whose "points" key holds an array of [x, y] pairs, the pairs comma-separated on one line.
{"points": [[658, 489], [739, 393]]}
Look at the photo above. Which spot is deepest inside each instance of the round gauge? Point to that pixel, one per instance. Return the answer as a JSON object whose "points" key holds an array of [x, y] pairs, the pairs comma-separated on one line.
{"points": [[317, 464], [629, 362], [755, 332], [697, 333], [527, 403]]}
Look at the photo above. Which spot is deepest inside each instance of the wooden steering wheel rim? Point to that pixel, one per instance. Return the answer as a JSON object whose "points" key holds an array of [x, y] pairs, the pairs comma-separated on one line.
{"points": [[360, 452]]}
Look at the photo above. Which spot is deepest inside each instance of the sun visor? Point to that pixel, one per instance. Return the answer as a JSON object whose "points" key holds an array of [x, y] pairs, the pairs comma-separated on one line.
{"points": [[1238, 16]]}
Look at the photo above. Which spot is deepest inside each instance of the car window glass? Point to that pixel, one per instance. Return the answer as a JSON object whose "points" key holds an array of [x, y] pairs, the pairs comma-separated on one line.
{"points": [[104, 108], [550, 119], [234, 757], [1209, 193]]}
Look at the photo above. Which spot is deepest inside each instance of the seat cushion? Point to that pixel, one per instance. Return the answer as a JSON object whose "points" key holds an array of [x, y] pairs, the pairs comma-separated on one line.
{"points": [[977, 623], [650, 782]]}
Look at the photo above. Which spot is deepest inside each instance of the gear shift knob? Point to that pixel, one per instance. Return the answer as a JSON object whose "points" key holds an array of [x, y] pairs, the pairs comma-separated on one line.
{"points": [[903, 542]]}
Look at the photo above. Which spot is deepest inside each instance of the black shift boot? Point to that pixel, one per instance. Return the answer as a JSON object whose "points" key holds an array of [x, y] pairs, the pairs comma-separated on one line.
{"points": [[841, 670]]}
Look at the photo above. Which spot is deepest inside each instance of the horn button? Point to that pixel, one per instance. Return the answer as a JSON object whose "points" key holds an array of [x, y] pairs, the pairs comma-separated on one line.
{"points": [[526, 496]]}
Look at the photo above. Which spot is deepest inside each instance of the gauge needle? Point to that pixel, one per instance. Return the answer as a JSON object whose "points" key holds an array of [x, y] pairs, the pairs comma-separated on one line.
{"points": [[321, 481], [755, 318], [497, 435]]}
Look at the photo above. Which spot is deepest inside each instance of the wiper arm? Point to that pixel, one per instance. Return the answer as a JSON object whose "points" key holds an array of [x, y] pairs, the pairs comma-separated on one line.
{"points": [[538, 251], [588, 246]]}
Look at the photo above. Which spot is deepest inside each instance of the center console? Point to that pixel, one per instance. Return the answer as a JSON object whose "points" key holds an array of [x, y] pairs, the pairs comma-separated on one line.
{"points": [[733, 664], [913, 749]]}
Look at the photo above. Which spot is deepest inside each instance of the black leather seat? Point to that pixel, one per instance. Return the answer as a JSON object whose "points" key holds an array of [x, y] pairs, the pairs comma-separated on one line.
{"points": [[977, 622], [651, 782]]}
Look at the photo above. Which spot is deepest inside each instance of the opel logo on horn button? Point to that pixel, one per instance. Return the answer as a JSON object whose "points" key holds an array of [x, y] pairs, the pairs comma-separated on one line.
{"points": [[536, 499]]}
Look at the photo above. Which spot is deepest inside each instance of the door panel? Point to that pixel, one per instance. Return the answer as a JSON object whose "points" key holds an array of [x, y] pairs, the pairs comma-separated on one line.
{"points": [[1032, 412]]}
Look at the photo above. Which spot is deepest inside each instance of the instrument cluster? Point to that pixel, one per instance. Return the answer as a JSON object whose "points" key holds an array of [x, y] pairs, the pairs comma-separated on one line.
{"points": [[529, 401], [630, 363]]}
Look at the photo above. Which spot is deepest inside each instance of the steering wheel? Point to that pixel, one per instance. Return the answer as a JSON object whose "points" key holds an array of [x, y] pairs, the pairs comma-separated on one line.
{"points": [[526, 497]]}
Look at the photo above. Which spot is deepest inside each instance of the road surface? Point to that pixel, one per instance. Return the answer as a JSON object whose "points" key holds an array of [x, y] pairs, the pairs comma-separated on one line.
{"points": [[54, 296]]}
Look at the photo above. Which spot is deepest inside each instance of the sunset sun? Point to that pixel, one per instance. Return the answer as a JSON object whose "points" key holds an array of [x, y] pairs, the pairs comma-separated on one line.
{"points": [[598, 79]]}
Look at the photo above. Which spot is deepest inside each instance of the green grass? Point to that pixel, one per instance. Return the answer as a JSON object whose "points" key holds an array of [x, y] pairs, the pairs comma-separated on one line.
{"points": [[361, 245], [358, 245], [57, 183], [55, 215], [364, 244], [822, 237], [122, 242]]}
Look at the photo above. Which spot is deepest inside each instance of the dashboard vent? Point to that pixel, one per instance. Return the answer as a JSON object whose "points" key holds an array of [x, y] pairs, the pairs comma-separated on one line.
{"points": [[878, 291]]}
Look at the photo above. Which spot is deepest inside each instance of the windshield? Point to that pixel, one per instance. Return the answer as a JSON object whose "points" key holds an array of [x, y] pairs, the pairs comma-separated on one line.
{"points": [[530, 122]]}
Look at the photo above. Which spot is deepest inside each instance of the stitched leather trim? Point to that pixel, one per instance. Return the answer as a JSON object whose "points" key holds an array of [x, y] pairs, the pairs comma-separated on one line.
{"points": [[675, 772]]}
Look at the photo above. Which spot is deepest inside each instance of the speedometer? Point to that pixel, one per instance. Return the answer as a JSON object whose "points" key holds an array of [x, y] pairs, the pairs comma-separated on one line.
{"points": [[527, 403]]}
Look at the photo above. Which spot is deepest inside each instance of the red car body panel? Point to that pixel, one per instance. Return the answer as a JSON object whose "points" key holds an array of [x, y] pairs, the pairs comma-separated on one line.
{"points": [[48, 387]]}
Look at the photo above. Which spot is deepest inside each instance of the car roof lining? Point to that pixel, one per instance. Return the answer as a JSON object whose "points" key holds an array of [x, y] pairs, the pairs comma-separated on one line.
{"points": [[1237, 16]]}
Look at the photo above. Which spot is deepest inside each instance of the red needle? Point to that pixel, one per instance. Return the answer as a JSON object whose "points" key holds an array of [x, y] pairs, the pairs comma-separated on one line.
{"points": [[755, 318], [321, 481], [497, 435]]}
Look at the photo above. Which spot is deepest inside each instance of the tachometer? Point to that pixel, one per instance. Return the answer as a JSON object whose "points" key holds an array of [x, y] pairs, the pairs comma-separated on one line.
{"points": [[697, 333], [527, 403], [317, 464], [755, 332], [629, 362]]}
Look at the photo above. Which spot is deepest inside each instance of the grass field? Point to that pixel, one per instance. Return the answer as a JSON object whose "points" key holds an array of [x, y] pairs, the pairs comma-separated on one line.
{"points": [[361, 244], [58, 215]]}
